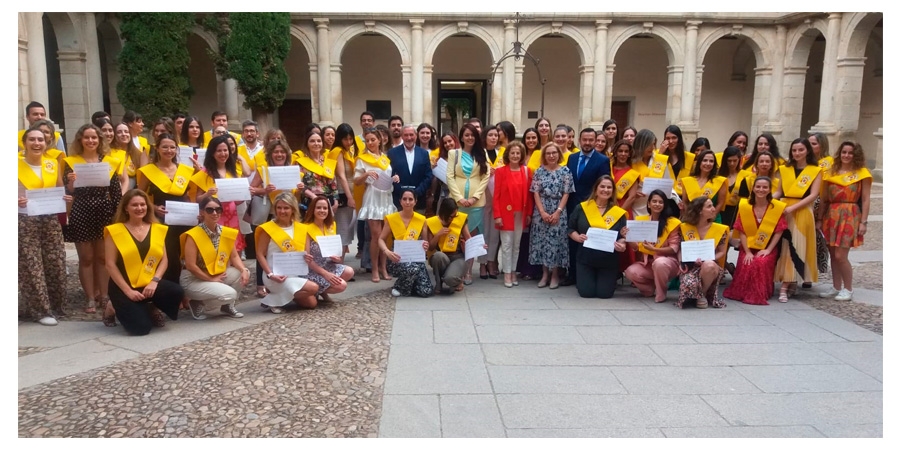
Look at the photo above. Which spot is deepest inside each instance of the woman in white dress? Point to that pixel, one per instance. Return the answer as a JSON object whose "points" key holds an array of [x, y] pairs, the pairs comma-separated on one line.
{"points": [[373, 169], [284, 233]]}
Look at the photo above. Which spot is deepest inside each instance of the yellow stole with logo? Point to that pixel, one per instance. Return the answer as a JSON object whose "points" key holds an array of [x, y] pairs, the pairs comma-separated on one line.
{"points": [[846, 179], [434, 155], [49, 174], [176, 186], [715, 232], [402, 232], [693, 190], [216, 259], [794, 186], [599, 220], [202, 180], [282, 239], [314, 231], [826, 162], [122, 155], [658, 165], [758, 236], [382, 162], [450, 241], [326, 169], [670, 226], [140, 273], [625, 182], [78, 159], [499, 161]]}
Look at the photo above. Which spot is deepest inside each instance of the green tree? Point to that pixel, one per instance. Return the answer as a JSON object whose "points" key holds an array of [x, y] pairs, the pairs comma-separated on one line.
{"points": [[252, 50], [154, 63]]}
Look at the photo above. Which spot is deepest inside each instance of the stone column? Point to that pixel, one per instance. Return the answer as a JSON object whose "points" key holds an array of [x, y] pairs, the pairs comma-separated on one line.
{"points": [[323, 60], [598, 99], [94, 82], [792, 104], [586, 74], [314, 91], [406, 81], [337, 97], [495, 97], [673, 93], [37, 63], [74, 92], [427, 99], [607, 103], [230, 97], [878, 172], [509, 75], [689, 77], [850, 72], [758, 116], [517, 113], [418, 57], [773, 119], [829, 78]]}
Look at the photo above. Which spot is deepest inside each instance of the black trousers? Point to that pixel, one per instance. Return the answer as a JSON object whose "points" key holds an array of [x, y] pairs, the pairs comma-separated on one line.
{"points": [[593, 282], [135, 316]]}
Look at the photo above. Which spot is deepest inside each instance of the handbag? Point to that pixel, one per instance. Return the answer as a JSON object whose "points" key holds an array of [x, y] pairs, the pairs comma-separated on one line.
{"points": [[259, 210]]}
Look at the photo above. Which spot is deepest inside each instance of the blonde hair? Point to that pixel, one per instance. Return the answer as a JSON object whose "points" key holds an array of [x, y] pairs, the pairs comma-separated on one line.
{"points": [[288, 198], [544, 153]]}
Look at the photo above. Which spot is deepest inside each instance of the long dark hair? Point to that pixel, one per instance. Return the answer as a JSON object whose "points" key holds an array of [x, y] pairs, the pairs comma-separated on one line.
{"points": [[536, 146], [618, 132], [310, 216], [432, 143], [442, 150], [508, 129], [679, 148], [810, 156], [209, 161], [478, 153], [670, 209], [340, 133], [752, 199], [736, 135], [700, 141], [184, 131], [729, 152], [773, 149], [695, 171]]}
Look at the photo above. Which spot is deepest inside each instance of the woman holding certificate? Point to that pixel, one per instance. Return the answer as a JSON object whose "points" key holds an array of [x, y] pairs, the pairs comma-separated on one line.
{"points": [[760, 222], [704, 181], [317, 171], [219, 163], [373, 170], [801, 179], [135, 254], [845, 208], [598, 269], [406, 225], [657, 262], [512, 207], [650, 164], [679, 161], [468, 175], [207, 277], [700, 278], [327, 272], [627, 187], [447, 231], [42, 257], [92, 209], [345, 152], [283, 234]]}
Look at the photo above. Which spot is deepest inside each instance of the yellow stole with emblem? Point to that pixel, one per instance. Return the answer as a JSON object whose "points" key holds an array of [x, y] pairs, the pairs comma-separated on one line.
{"points": [[326, 169], [382, 162], [758, 236], [749, 176], [826, 162], [313, 231], [658, 165], [625, 182], [715, 232], [599, 220], [434, 155], [282, 239], [450, 241], [402, 232], [176, 186], [78, 159], [498, 162], [794, 186], [140, 273], [670, 226], [846, 179], [49, 174], [693, 190], [202, 180], [216, 259], [122, 155]]}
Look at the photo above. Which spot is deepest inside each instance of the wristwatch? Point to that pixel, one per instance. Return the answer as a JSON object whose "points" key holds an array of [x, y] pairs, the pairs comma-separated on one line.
{"points": [[156, 279], [270, 275]]}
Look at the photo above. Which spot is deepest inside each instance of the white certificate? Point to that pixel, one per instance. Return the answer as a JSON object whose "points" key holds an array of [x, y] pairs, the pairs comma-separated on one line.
{"points": [[45, 201], [92, 174], [663, 184], [186, 156], [410, 251], [475, 247], [330, 245], [642, 230], [289, 264], [182, 213], [383, 182], [600, 239], [201, 155], [704, 249], [284, 177], [440, 170], [232, 189]]}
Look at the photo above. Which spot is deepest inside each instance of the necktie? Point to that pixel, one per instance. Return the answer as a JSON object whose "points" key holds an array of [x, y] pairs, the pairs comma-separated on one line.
{"points": [[581, 164]]}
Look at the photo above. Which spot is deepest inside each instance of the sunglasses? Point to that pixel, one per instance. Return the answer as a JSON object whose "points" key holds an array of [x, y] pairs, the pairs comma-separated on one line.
{"points": [[213, 210]]}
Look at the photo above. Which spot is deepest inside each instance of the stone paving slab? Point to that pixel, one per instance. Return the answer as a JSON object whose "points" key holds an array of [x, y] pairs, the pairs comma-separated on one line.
{"points": [[569, 355], [812, 378], [454, 327], [410, 416], [69, 360], [615, 411], [741, 354], [585, 433], [839, 430], [543, 317], [798, 327], [515, 303], [617, 303], [32, 334], [761, 334], [668, 380], [554, 380], [867, 357], [840, 327], [620, 334], [857, 408], [470, 416], [412, 327], [744, 432], [528, 334], [436, 303], [687, 317], [436, 369]]}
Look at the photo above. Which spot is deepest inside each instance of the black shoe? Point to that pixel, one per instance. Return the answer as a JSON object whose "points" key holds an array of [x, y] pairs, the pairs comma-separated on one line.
{"points": [[567, 282], [807, 286]]}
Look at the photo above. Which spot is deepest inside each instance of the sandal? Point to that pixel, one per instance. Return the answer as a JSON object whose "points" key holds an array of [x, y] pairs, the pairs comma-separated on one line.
{"points": [[109, 316], [783, 296], [459, 288], [261, 291], [91, 307]]}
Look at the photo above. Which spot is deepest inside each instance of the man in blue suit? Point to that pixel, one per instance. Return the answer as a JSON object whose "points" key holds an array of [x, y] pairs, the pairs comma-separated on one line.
{"points": [[412, 164], [586, 167]]}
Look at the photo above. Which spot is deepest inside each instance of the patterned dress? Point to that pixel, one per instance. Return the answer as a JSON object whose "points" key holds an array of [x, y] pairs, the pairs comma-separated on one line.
{"points": [[549, 246], [841, 224], [325, 263], [92, 209]]}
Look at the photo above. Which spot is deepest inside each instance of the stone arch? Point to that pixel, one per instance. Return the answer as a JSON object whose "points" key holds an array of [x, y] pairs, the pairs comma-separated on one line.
{"points": [[753, 38], [454, 29], [300, 34], [68, 36], [858, 28], [669, 42], [585, 50], [337, 46], [208, 37], [801, 40], [109, 43]]}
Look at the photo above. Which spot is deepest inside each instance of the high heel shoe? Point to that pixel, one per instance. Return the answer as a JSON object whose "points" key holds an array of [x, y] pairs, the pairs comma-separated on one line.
{"points": [[483, 272]]}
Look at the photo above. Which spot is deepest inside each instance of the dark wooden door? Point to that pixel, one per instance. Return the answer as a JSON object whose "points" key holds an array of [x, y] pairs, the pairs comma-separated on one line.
{"points": [[293, 117], [619, 112]]}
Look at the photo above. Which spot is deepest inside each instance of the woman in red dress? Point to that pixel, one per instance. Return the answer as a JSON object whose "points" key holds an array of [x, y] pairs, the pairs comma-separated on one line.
{"points": [[627, 180], [760, 222]]}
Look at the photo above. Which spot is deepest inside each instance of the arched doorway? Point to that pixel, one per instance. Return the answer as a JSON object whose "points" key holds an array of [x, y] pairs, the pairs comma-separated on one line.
{"points": [[559, 62], [109, 46], [727, 90], [871, 104], [462, 68], [371, 77], [296, 111], [203, 80], [812, 88], [640, 84], [55, 110]]}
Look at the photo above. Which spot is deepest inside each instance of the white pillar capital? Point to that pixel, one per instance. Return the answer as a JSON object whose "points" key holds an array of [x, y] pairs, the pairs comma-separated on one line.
{"points": [[321, 23], [602, 24], [416, 24]]}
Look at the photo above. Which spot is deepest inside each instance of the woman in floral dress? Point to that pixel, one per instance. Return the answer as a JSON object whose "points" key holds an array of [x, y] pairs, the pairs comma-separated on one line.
{"points": [[551, 186]]}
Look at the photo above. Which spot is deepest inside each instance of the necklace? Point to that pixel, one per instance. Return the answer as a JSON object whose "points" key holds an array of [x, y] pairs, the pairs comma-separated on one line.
{"points": [[135, 229]]}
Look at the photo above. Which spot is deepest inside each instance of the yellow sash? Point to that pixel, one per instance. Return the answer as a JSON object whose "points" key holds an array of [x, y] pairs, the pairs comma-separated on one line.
{"points": [[598, 220], [715, 232], [795, 187], [334, 153], [50, 153], [360, 145], [326, 169], [534, 161], [78, 159], [670, 226], [216, 259], [281, 239], [846, 179], [313, 231], [749, 176], [49, 174], [402, 232], [826, 162], [434, 155], [499, 161], [139, 272], [625, 183], [382, 162], [758, 238], [176, 186], [658, 165], [693, 190], [448, 242], [242, 152]]}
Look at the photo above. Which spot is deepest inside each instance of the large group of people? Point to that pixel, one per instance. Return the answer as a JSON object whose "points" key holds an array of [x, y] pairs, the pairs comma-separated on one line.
{"points": [[546, 207]]}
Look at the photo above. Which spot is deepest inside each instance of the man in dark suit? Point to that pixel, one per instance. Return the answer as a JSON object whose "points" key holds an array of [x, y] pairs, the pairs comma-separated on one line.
{"points": [[586, 167], [412, 164]]}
